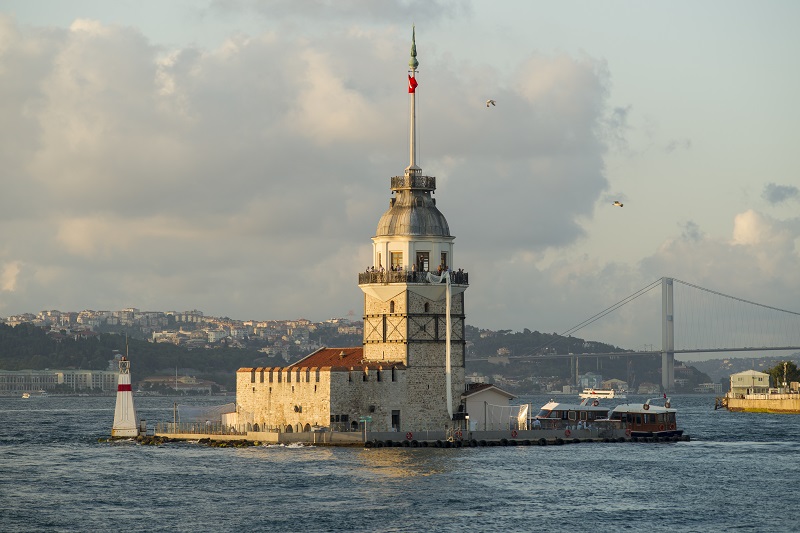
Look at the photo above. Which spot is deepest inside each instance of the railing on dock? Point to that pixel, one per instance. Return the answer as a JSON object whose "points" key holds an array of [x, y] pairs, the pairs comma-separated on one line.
{"points": [[199, 428]]}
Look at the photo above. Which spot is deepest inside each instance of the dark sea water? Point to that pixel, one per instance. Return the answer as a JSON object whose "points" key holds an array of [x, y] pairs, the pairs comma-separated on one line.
{"points": [[739, 473]]}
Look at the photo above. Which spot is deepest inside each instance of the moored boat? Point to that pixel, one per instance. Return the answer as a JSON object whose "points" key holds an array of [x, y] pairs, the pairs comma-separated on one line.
{"points": [[560, 415], [26, 395], [644, 420]]}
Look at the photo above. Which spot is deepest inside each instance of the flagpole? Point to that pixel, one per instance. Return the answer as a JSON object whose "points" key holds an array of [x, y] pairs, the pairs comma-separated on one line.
{"points": [[413, 169]]}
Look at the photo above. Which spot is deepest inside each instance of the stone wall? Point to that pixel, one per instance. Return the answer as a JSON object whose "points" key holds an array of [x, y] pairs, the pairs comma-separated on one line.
{"points": [[282, 398]]}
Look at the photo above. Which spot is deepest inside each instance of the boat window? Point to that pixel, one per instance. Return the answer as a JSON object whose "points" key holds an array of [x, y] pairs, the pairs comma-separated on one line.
{"points": [[571, 415], [638, 419], [543, 413]]}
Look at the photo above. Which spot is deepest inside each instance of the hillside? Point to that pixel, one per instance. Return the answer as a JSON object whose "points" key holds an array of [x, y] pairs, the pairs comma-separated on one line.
{"points": [[505, 357]]}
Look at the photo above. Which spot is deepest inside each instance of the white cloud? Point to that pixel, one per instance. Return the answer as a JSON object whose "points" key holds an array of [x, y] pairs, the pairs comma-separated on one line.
{"points": [[247, 180], [8, 276]]}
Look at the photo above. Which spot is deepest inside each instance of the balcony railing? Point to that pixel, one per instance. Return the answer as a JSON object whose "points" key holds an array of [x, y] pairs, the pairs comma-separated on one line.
{"points": [[408, 276], [414, 182]]}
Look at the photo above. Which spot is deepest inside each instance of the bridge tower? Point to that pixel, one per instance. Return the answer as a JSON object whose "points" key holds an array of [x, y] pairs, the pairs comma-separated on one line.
{"points": [[667, 335], [413, 299]]}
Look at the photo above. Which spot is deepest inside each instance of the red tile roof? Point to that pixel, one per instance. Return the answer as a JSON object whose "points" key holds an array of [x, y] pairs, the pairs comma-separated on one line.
{"points": [[337, 359]]}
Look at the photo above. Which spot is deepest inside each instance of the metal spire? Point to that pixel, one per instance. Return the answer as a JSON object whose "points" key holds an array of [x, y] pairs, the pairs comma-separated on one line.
{"points": [[413, 63]]}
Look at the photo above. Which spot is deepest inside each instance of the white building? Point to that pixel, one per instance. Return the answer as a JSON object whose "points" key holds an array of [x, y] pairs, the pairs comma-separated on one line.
{"points": [[749, 382]]}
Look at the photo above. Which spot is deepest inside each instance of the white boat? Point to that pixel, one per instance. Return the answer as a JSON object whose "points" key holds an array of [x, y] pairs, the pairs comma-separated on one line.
{"points": [[558, 415], [26, 395], [601, 393]]}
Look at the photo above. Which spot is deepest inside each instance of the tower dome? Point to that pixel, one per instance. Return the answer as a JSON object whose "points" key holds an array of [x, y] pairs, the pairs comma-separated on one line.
{"points": [[413, 212]]}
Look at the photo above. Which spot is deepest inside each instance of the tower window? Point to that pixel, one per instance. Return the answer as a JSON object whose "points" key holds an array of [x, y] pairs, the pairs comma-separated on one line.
{"points": [[397, 260], [427, 307], [391, 306], [444, 260]]}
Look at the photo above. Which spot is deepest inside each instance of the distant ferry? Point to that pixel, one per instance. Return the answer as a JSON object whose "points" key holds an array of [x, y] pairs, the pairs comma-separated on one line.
{"points": [[601, 393]]}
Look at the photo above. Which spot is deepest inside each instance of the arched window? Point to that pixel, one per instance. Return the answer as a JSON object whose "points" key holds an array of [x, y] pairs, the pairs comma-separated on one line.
{"points": [[391, 306], [427, 306]]}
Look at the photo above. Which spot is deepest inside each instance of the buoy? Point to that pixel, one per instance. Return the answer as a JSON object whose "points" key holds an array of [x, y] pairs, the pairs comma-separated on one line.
{"points": [[125, 424]]}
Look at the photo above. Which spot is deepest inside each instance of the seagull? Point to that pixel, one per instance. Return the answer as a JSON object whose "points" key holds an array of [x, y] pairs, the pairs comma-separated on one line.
{"points": [[489, 102], [617, 203]]}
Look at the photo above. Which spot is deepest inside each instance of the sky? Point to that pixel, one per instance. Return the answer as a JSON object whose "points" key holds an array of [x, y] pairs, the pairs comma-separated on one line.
{"points": [[234, 156]]}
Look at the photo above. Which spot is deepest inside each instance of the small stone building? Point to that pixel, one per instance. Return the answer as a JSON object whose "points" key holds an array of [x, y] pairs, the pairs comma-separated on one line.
{"points": [[331, 388]]}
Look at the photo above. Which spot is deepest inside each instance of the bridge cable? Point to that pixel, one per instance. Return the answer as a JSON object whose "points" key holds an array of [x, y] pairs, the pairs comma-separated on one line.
{"points": [[738, 299], [598, 316]]}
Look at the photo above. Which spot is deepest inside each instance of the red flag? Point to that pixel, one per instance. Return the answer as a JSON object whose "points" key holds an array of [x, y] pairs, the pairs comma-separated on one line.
{"points": [[412, 84]]}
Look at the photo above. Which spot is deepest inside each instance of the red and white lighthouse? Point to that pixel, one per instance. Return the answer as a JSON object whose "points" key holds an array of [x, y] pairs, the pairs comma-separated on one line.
{"points": [[125, 424]]}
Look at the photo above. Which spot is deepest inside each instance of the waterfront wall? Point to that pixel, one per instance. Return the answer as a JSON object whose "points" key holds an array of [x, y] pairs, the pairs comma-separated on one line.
{"points": [[765, 403]]}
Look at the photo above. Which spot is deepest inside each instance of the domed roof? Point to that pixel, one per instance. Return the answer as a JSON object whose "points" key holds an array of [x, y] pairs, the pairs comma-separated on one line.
{"points": [[413, 213]]}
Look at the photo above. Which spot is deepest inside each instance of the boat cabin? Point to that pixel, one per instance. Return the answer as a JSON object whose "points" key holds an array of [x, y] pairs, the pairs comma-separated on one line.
{"points": [[646, 420], [557, 415]]}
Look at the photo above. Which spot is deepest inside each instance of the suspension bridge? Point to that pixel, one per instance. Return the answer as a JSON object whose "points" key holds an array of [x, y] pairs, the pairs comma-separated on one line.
{"points": [[706, 321]]}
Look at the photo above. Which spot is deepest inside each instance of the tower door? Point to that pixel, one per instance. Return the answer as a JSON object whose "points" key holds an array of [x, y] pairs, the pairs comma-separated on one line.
{"points": [[396, 420], [423, 261]]}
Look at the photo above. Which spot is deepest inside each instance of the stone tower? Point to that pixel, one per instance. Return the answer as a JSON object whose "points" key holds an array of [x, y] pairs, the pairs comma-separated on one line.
{"points": [[414, 293]]}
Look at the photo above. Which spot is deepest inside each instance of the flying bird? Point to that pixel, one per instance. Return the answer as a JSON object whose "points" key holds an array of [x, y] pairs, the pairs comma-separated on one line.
{"points": [[618, 203], [490, 102]]}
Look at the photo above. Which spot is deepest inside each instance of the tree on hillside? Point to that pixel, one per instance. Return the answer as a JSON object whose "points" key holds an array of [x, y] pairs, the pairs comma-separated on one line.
{"points": [[776, 373]]}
